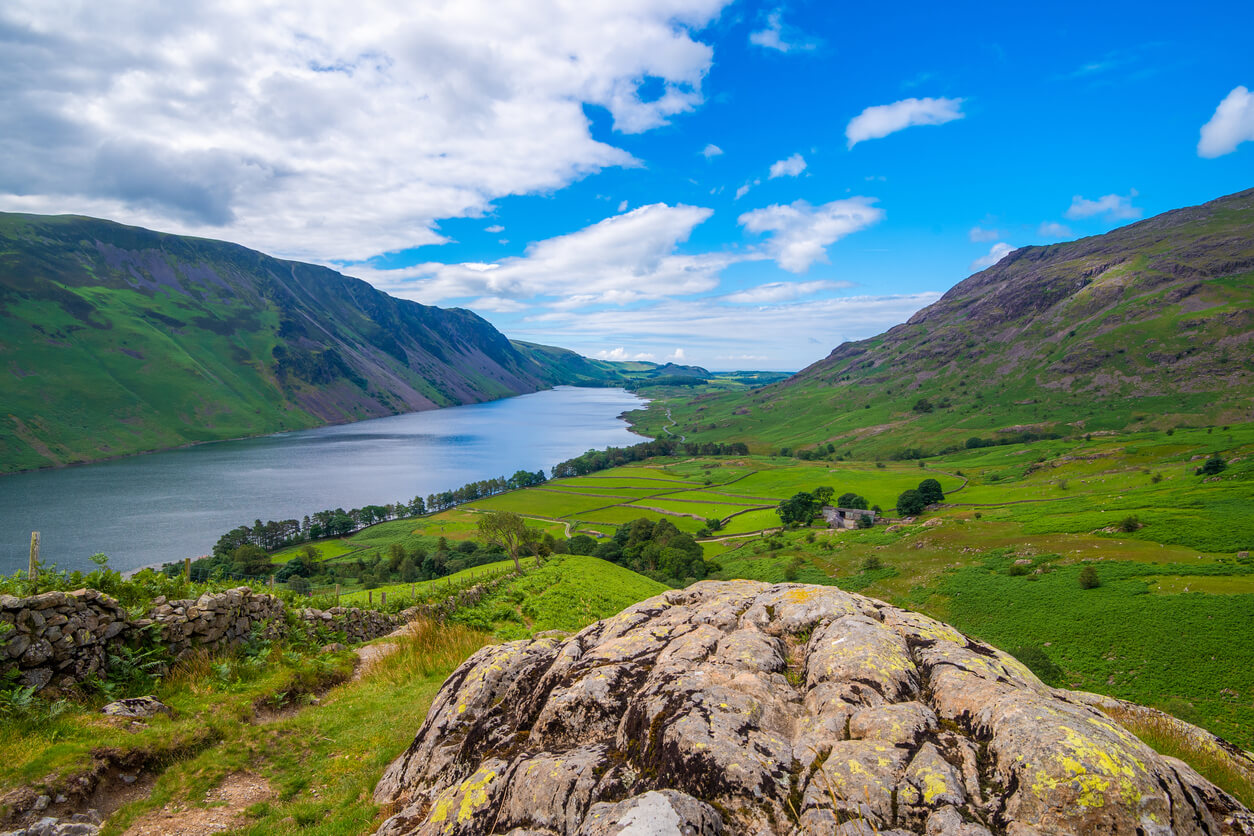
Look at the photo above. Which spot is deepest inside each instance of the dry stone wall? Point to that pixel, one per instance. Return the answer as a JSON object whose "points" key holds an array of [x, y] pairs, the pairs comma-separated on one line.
{"points": [[59, 638], [56, 640]]}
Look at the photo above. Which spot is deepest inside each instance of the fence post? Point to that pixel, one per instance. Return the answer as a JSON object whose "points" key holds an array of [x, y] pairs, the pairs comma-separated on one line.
{"points": [[370, 597], [187, 568], [337, 595], [32, 569], [383, 599], [412, 592], [272, 581]]}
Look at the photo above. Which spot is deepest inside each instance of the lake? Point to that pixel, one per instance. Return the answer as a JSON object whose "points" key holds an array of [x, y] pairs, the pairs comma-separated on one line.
{"points": [[166, 506]]}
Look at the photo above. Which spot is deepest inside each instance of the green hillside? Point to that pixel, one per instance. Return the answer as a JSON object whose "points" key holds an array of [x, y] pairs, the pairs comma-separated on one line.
{"points": [[116, 340], [1148, 326]]}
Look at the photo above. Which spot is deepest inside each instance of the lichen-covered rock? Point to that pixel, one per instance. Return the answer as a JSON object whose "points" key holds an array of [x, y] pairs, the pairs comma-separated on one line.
{"points": [[740, 707]]}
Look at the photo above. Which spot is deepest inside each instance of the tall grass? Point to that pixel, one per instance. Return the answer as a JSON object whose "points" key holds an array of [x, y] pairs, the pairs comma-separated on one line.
{"points": [[1177, 739], [428, 648]]}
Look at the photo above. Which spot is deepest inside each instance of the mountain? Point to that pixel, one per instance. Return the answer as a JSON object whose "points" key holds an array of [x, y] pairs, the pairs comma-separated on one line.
{"points": [[117, 339], [1147, 325]]}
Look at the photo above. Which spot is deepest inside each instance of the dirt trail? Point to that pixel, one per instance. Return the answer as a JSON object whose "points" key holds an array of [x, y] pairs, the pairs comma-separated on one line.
{"points": [[227, 801]]}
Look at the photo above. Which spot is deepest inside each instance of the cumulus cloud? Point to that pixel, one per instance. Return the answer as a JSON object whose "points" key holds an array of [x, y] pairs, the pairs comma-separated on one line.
{"points": [[710, 151], [324, 130], [995, 254], [779, 292], [1054, 230], [775, 35], [1232, 124], [494, 229], [621, 260], [979, 236], [800, 233], [621, 354], [1116, 207], [676, 356], [882, 120], [790, 167]]}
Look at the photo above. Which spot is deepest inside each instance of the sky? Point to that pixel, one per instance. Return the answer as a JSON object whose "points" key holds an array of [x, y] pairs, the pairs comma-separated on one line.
{"points": [[730, 184]]}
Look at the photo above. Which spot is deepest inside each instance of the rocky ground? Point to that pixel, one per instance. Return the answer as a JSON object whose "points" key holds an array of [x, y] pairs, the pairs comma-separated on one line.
{"points": [[740, 707]]}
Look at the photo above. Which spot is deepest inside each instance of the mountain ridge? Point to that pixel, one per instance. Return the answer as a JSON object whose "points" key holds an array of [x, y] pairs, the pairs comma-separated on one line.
{"points": [[119, 339], [1148, 325]]}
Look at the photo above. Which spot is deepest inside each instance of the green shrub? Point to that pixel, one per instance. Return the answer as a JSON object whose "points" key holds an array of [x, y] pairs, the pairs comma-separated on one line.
{"points": [[1088, 578]]}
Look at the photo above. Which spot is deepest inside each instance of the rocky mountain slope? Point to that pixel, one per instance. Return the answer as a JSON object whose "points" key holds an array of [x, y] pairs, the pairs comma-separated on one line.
{"points": [[116, 339], [739, 707], [1149, 325]]}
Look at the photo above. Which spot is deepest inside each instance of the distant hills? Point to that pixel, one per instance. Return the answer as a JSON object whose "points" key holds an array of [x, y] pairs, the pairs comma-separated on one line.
{"points": [[116, 339], [1150, 325]]}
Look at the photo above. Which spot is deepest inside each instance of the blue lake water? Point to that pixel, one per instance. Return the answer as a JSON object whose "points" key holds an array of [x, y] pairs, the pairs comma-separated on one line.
{"points": [[167, 506]]}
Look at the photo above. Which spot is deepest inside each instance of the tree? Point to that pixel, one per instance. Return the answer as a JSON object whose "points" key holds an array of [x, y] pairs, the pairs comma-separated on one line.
{"points": [[823, 494], [800, 509], [1215, 464], [582, 544], [1089, 579], [923, 405], [507, 530], [851, 500], [910, 503], [930, 490]]}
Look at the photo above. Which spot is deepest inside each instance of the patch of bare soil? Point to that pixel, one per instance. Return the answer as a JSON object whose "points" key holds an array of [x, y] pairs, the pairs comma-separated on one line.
{"points": [[371, 654], [224, 811]]}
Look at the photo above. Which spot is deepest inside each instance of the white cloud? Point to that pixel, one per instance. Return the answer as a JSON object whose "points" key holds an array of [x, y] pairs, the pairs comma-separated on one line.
{"points": [[496, 304], [327, 131], [676, 356], [1117, 207], [979, 236], [784, 336], [882, 120], [1232, 124], [995, 254], [801, 233], [789, 167], [779, 292], [622, 206], [742, 191], [494, 229], [711, 151], [621, 354], [621, 260], [782, 38], [1054, 230]]}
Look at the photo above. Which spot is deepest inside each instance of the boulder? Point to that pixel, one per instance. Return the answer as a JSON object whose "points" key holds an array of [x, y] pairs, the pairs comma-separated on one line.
{"points": [[741, 707], [141, 707]]}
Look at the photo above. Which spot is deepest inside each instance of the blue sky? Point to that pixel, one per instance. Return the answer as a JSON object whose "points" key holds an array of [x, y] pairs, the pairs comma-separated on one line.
{"points": [[736, 185]]}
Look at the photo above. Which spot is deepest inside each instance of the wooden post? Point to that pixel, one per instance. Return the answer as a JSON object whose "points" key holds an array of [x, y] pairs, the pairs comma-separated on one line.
{"points": [[272, 581], [187, 568], [413, 592], [32, 570], [383, 599], [370, 597], [337, 595]]}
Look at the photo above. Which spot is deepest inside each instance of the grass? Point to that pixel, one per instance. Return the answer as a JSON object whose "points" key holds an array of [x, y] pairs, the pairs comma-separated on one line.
{"points": [[566, 593], [1164, 735]]}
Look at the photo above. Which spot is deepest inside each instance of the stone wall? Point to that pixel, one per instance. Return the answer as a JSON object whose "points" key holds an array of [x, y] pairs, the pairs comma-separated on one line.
{"points": [[357, 625], [58, 639], [215, 621]]}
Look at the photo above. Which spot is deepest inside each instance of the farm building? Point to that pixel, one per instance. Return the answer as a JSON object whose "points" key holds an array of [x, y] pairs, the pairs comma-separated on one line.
{"points": [[845, 517]]}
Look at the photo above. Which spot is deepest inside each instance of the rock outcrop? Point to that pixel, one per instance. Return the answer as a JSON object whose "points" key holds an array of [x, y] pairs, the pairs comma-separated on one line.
{"points": [[740, 707]]}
